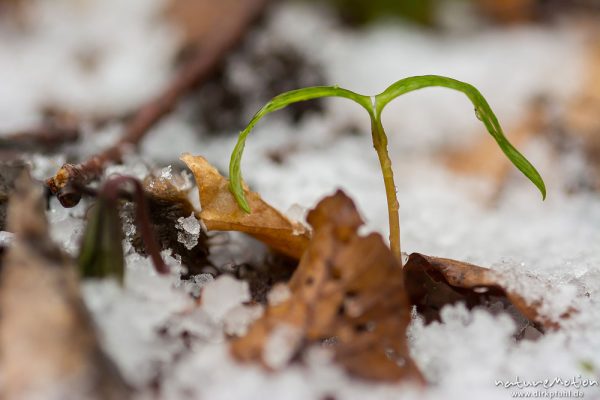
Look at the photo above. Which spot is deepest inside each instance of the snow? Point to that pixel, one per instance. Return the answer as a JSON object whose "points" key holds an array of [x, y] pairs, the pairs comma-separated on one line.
{"points": [[195, 285], [6, 238], [67, 225], [43, 166], [134, 316], [223, 295], [189, 230], [230, 249], [82, 56], [296, 212], [281, 346], [238, 319], [133, 166], [445, 361], [173, 331], [166, 172], [279, 293], [471, 373]]}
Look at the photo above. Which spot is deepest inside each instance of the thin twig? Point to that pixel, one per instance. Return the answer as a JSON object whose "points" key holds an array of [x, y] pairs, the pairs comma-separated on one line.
{"points": [[196, 71], [47, 137]]}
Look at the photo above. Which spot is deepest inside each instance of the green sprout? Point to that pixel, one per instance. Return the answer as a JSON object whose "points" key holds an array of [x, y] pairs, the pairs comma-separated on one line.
{"points": [[374, 106], [101, 251]]}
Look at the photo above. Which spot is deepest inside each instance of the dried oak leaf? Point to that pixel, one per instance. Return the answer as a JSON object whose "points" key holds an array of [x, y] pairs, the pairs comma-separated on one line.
{"points": [[220, 212], [48, 344], [347, 291], [433, 282]]}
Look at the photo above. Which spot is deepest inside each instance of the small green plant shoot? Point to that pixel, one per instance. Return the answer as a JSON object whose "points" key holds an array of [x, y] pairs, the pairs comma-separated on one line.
{"points": [[374, 106]]}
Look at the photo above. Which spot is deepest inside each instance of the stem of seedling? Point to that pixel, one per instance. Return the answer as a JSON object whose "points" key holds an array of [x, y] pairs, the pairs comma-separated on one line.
{"points": [[374, 107], [380, 143]]}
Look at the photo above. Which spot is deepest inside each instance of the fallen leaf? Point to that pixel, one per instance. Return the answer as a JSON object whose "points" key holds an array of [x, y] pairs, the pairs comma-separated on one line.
{"points": [[433, 282], [348, 291], [48, 344], [220, 212]]}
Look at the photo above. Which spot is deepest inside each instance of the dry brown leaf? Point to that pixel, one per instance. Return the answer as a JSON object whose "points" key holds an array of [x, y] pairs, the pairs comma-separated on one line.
{"points": [[220, 212], [433, 282], [48, 345], [349, 291]]}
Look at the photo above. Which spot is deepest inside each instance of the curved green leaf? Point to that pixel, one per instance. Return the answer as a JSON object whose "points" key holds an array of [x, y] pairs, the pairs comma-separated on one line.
{"points": [[277, 103], [483, 112]]}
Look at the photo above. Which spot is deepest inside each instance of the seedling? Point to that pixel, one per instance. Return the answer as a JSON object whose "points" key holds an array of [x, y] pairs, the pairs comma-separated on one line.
{"points": [[374, 106], [101, 252]]}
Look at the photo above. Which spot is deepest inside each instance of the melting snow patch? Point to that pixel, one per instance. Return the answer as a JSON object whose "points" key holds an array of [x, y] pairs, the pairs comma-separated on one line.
{"points": [[223, 295], [6, 238], [279, 293], [238, 319], [281, 346]]}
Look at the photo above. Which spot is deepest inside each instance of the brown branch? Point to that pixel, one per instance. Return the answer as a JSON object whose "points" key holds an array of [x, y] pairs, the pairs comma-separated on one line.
{"points": [[46, 137], [196, 71]]}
